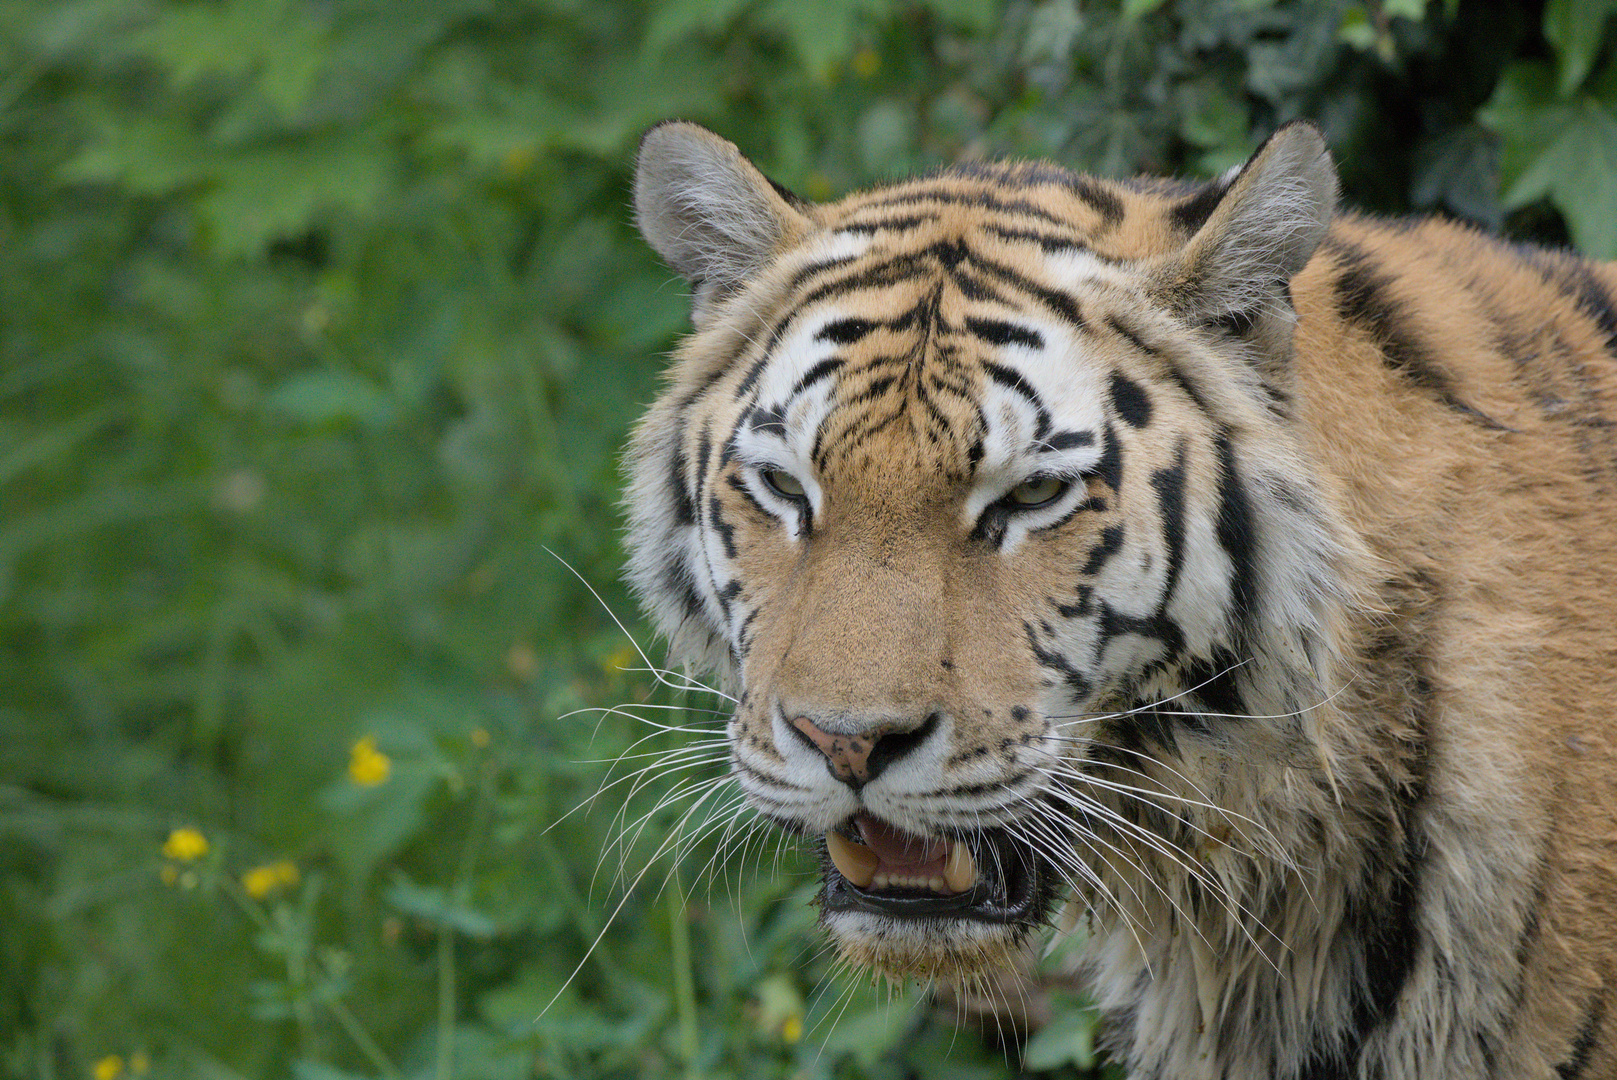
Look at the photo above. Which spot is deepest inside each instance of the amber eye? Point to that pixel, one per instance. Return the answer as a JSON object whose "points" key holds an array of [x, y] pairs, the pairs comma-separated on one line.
{"points": [[783, 483], [1036, 492]]}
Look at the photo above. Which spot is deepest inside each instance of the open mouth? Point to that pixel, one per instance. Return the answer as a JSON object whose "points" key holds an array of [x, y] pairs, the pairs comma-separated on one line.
{"points": [[877, 867]]}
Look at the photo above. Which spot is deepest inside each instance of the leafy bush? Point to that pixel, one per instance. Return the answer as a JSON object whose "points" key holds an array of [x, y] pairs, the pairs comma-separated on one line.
{"points": [[320, 326]]}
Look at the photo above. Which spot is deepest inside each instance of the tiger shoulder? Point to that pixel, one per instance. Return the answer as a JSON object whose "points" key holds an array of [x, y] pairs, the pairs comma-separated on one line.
{"points": [[1235, 571]]}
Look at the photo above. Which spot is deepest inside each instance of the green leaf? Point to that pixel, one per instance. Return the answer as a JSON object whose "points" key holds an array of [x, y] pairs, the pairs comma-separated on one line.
{"points": [[1576, 29], [979, 16], [1526, 113], [150, 155], [377, 821], [304, 1069], [434, 905], [1134, 9], [823, 34], [1219, 124], [1563, 151], [678, 19], [318, 397], [886, 137], [1068, 1039], [1404, 9], [265, 195], [1578, 172]]}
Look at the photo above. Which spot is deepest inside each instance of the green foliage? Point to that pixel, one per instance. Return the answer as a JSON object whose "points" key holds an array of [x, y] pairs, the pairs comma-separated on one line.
{"points": [[320, 327], [1558, 127]]}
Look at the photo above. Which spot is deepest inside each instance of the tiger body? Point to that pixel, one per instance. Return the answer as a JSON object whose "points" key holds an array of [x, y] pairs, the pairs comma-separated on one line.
{"points": [[1300, 681]]}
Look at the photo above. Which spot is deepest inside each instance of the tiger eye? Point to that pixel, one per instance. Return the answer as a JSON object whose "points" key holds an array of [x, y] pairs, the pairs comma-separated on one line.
{"points": [[1037, 491], [783, 483]]}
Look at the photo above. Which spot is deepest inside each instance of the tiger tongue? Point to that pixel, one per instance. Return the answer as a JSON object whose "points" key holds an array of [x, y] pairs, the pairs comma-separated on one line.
{"points": [[901, 852]]}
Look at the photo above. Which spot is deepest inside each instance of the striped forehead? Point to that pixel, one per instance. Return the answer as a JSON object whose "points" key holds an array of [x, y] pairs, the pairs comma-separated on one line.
{"points": [[948, 330]]}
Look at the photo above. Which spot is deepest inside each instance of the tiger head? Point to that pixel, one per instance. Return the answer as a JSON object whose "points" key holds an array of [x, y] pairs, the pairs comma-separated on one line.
{"points": [[981, 492]]}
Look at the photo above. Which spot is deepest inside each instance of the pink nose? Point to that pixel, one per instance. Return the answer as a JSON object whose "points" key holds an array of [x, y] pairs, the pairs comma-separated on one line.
{"points": [[849, 755]]}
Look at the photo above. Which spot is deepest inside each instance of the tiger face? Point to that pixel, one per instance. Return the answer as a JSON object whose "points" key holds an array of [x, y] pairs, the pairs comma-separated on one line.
{"points": [[975, 488]]}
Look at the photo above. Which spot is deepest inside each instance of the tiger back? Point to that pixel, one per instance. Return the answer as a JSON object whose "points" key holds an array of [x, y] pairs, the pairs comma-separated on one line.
{"points": [[1235, 571]]}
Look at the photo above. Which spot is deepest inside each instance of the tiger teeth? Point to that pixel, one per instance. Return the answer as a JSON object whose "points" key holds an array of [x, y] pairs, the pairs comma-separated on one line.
{"points": [[853, 861], [858, 864], [904, 881], [959, 869]]}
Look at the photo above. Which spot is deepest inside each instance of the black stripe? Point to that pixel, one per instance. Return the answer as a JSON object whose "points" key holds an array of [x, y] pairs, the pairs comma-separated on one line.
{"points": [[750, 379], [684, 509], [726, 531], [1003, 333], [1055, 661], [678, 574], [1054, 299], [1169, 485], [1034, 174], [980, 199], [1109, 469], [1583, 1046], [797, 201], [1080, 606], [1111, 541], [1533, 927], [1066, 440], [822, 370], [1130, 400], [844, 331], [1363, 299], [1012, 379], [1237, 536], [890, 272], [704, 459], [1189, 215], [1595, 301], [1131, 335], [975, 288], [1216, 684], [896, 223], [992, 525], [772, 419], [1106, 202], [819, 267], [1049, 242]]}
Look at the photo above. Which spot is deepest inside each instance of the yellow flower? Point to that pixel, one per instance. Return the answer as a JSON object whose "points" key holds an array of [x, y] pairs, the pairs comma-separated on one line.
{"points": [[368, 766], [260, 881], [866, 62], [620, 659], [522, 662], [108, 1068], [792, 1030], [183, 845], [480, 738], [518, 160]]}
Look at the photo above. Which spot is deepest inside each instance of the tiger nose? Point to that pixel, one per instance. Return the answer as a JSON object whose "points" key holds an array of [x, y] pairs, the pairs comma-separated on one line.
{"points": [[857, 759]]}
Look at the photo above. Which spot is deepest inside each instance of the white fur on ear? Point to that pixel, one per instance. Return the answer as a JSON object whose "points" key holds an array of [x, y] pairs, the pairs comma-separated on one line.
{"points": [[1263, 229], [706, 209]]}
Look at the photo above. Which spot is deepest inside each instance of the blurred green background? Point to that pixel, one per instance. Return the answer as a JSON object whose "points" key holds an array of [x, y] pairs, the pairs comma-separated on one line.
{"points": [[321, 324]]}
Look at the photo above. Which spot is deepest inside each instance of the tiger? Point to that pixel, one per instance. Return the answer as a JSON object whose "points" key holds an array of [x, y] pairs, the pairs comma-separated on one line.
{"points": [[1189, 559]]}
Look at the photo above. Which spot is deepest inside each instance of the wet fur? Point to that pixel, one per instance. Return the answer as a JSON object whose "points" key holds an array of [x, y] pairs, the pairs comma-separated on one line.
{"points": [[1338, 788]]}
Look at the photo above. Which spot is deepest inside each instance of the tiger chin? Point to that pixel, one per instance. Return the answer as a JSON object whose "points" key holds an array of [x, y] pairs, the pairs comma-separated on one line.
{"points": [[1237, 572]]}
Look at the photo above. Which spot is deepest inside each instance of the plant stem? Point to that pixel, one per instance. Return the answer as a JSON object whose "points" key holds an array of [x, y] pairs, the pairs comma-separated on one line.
{"points": [[679, 932]]}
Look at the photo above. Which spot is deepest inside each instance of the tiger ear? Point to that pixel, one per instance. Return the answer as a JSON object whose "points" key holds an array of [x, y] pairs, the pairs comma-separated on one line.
{"points": [[708, 211], [1251, 232]]}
